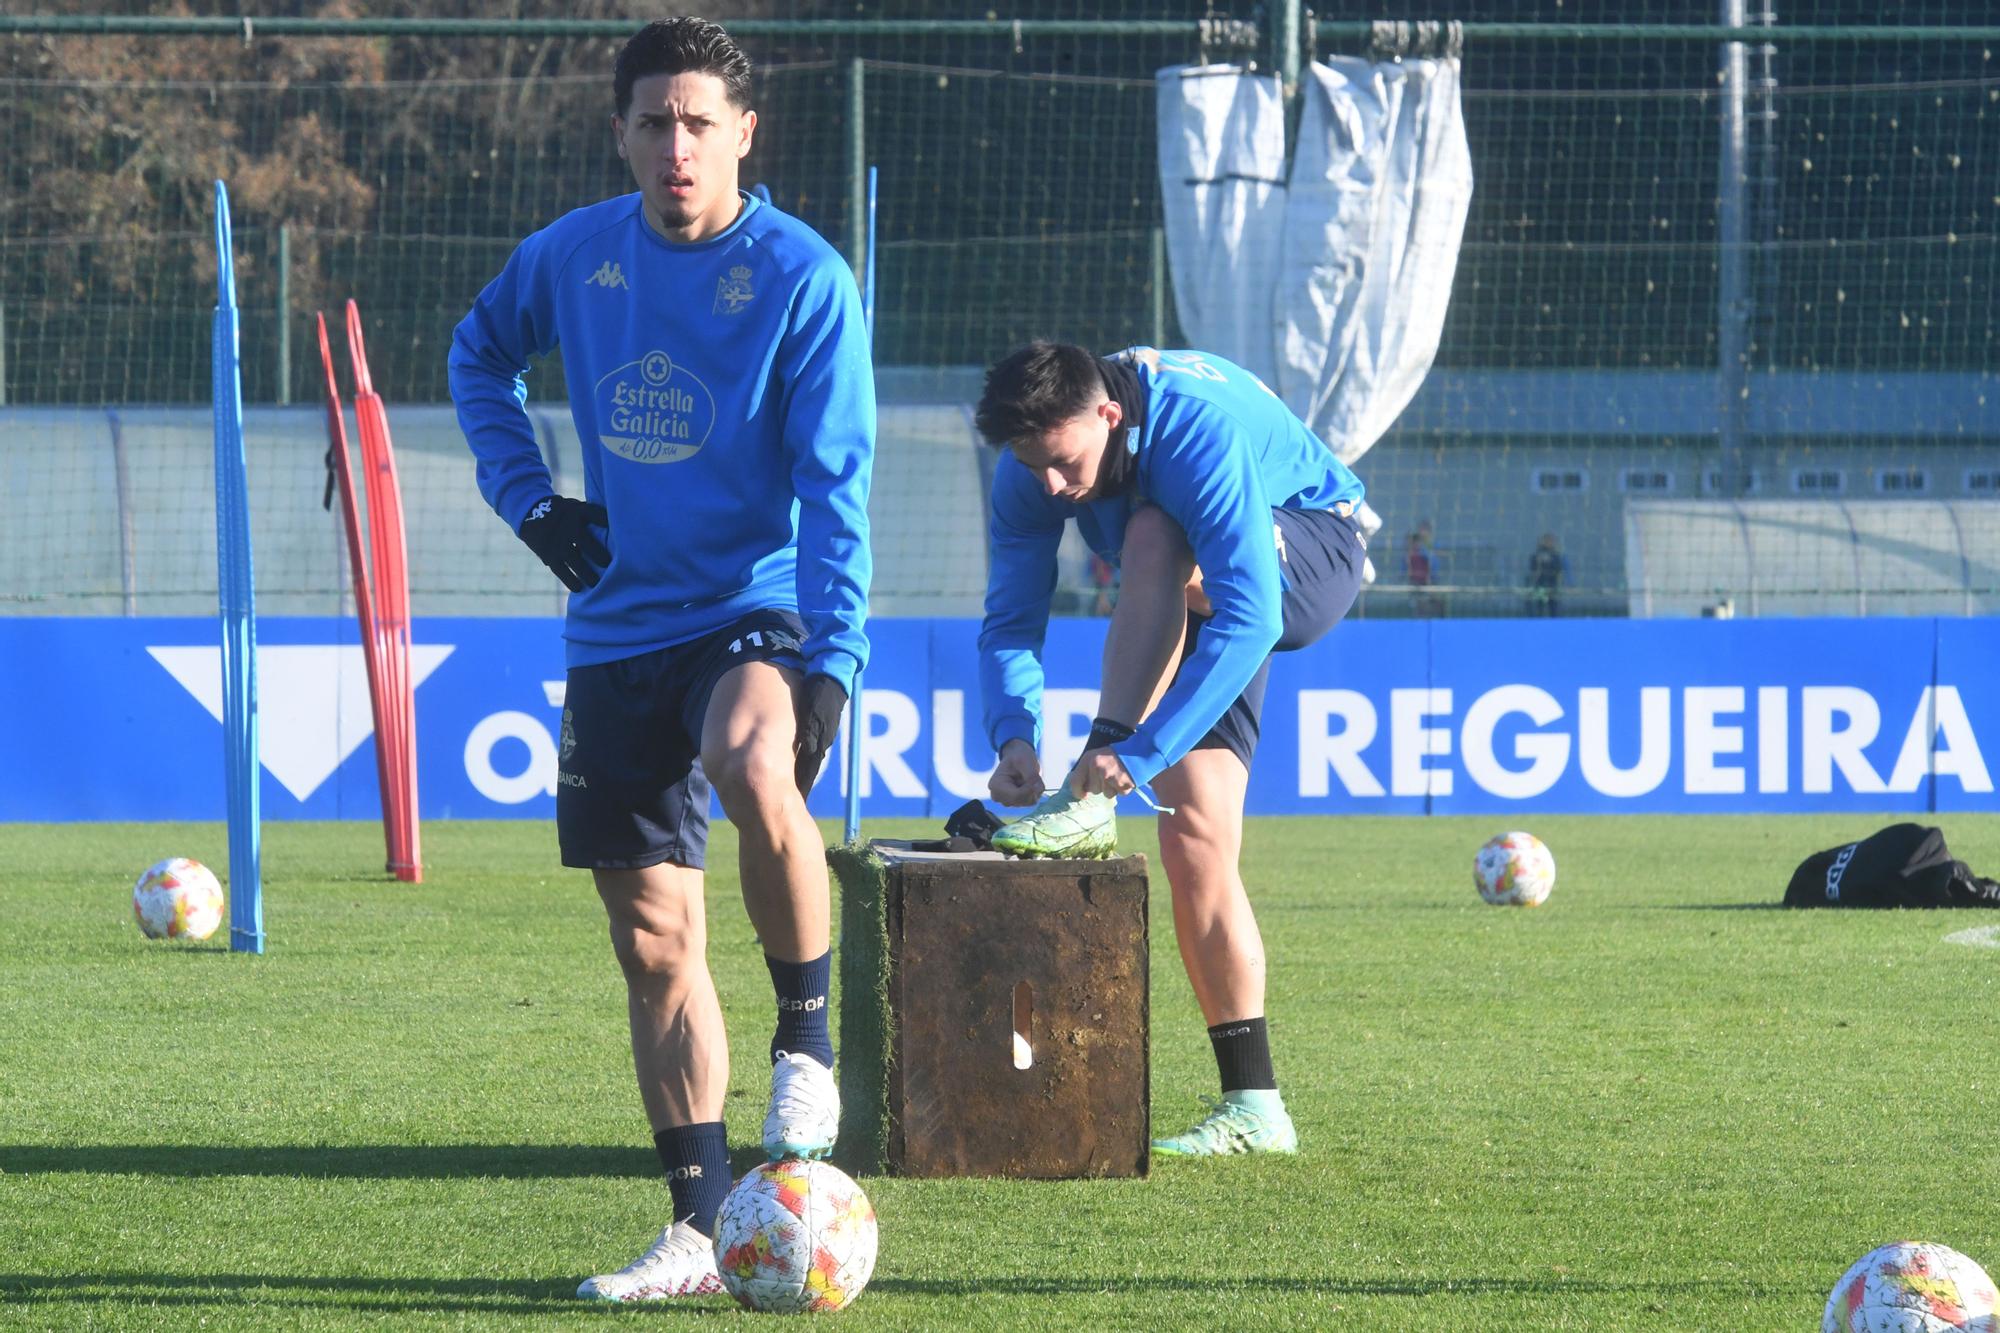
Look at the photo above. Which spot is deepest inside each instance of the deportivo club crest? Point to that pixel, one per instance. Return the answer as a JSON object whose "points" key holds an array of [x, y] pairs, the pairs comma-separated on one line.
{"points": [[732, 291]]}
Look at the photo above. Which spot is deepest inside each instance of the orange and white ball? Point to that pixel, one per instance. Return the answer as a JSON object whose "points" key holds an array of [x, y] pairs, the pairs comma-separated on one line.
{"points": [[795, 1237], [1912, 1287], [1514, 870], [177, 899]]}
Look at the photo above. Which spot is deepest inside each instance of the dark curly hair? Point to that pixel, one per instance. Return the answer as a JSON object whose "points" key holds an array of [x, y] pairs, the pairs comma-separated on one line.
{"points": [[684, 45], [1035, 389]]}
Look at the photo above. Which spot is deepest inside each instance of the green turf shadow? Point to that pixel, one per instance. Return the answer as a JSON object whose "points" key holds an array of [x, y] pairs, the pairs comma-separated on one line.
{"points": [[441, 1294], [366, 1161], [1316, 1284]]}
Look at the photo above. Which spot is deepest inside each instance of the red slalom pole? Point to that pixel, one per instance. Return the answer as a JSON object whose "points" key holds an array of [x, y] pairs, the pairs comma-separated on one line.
{"points": [[392, 606], [341, 472]]}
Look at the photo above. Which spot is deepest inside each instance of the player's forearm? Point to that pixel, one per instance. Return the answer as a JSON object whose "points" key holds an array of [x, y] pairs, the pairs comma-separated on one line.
{"points": [[1010, 650], [1010, 691], [836, 567], [833, 603], [494, 419]]}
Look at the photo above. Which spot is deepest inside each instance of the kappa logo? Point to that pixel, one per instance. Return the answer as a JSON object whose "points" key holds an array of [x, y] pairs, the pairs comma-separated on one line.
{"points": [[732, 291], [608, 275]]}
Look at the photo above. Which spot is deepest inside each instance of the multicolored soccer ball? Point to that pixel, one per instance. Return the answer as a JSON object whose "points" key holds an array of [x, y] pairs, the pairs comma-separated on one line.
{"points": [[795, 1237], [177, 899], [1514, 870], [1912, 1287]]}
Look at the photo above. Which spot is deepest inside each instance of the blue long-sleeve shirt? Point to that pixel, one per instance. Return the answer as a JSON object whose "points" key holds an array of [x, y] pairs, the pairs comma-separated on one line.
{"points": [[1218, 452], [725, 400]]}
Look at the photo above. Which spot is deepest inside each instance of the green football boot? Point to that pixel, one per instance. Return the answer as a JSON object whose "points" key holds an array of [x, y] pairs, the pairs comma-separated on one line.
{"points": [[1238, 1123], [1084, 827]]}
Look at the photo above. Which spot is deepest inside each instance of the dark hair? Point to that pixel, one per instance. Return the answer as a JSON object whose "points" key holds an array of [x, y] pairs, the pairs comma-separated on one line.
{"points": [[1035, 389], [684, 45]]}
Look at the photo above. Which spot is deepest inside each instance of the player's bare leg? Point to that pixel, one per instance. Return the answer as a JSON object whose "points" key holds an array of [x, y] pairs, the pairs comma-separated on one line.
{"points": [[659, 933], [747, 752], [1201, 845], [1143, 642]]}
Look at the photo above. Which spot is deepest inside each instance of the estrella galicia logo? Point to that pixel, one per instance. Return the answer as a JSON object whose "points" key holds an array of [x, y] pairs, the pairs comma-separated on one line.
{"points": [[732, 291], [654, 411]]}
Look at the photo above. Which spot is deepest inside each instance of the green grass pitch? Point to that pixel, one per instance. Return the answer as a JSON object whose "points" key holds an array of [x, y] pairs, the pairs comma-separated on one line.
{"points": [[1655, 1102]]}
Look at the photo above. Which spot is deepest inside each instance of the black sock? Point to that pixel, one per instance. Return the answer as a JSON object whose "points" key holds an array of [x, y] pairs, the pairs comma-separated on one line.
{"points": [[801, 989], [1103, 732], [696, 1160], [1243, 1054]]}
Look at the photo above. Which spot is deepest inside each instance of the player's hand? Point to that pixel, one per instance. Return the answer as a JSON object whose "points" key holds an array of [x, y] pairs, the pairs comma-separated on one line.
{"points": [[1018, 779], [558, 529], [1100, 771], [821, 699]]}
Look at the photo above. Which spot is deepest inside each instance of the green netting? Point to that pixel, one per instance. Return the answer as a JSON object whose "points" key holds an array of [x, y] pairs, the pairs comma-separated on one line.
{"points": [[1019, 197]]}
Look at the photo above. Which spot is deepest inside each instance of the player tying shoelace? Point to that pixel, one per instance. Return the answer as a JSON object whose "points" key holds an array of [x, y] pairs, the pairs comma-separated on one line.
{"points": [[1232, 528]]}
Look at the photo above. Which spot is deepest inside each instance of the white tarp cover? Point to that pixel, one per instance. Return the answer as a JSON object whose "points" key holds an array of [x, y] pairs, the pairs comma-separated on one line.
{"points": [[1379, 190], [1222, 171], [1333, 288]]}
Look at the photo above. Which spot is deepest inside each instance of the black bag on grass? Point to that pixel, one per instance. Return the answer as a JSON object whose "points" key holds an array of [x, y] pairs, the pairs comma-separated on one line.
{"points": [[1905, 865]]}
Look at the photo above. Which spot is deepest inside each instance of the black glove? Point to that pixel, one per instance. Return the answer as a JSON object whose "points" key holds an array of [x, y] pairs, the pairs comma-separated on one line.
{"points": [[820, 701], [558, 530], [973, 823]]}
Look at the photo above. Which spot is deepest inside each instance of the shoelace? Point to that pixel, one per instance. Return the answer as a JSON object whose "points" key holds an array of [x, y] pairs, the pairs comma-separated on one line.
{"points": [[1138, 791], [659, 1250], [1221, 1120], [787, 1102]]}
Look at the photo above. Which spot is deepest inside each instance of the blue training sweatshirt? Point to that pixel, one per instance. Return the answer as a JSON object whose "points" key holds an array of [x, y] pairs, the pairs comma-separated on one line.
{"points": [[1218, 452], [725, 400]]}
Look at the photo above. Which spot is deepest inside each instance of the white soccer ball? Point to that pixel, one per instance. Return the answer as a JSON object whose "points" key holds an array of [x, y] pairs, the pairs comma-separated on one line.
{"points": [[177, 899], [795, 1237], [1514, 870], [1912, 1287]]}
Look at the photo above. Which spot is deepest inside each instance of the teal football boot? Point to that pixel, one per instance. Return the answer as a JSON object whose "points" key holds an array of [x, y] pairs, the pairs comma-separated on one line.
{"points": [[1241, 1122]]}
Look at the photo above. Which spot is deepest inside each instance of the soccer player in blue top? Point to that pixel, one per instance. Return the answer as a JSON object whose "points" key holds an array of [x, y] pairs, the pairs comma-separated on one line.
{"points": [[1233, 529], [719, 375]]}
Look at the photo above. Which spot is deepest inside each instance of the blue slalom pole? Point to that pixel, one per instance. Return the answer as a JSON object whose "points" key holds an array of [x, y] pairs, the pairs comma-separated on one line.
{"points": [[855, 718], [236, 600], [855, 703]]}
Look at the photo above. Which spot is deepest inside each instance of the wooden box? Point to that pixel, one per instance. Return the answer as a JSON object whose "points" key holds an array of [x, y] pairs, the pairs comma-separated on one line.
{"points": [[994, 1014]]}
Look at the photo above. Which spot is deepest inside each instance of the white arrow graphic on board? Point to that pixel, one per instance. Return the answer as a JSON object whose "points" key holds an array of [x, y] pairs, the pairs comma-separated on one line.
{"points": [[312, 701]]}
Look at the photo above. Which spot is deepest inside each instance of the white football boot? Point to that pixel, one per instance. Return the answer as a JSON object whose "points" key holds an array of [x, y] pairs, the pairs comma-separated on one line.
{"points": [[805, 1109], [680, 1263]]}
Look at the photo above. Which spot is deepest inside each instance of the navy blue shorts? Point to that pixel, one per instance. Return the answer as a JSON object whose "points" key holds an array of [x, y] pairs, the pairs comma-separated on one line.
{"points": [[1321, 553], [629, 787]]}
